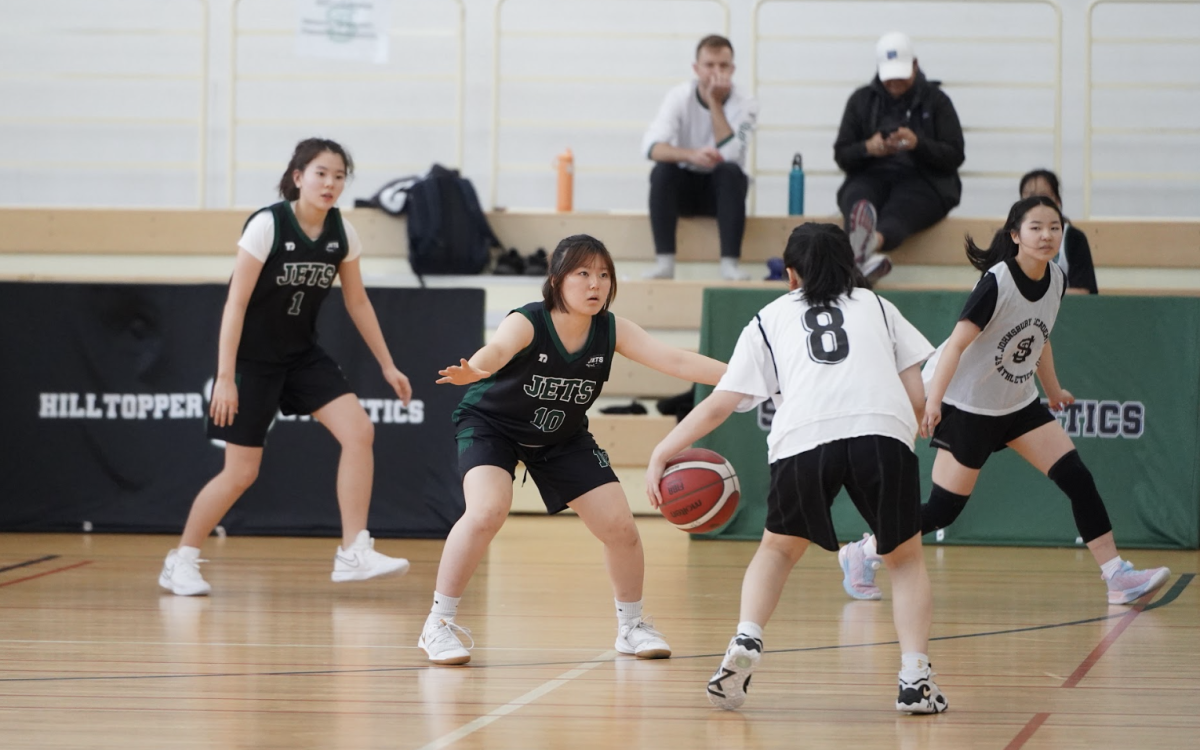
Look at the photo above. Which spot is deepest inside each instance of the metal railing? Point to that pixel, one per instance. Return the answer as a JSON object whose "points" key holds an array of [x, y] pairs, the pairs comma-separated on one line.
{"points": [[306, 81], [499, 35], [1090, 175], [866, 42]]}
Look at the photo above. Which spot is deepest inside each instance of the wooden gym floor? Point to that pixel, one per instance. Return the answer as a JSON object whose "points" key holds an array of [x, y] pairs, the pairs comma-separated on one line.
{"points": [[93, 655]]}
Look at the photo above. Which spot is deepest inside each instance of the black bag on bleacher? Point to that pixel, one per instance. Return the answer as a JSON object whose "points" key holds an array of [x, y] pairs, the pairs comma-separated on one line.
{"points": [[447, 230]]}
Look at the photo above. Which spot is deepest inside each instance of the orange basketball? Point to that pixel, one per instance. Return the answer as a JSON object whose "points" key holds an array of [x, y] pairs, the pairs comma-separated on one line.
{"points": [[699, 490]]}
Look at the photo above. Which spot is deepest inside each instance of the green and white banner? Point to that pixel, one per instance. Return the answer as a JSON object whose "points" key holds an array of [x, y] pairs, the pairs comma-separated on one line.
{"points": [[1133, 365]]}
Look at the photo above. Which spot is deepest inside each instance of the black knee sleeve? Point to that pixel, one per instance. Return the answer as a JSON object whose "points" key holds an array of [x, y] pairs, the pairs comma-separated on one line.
{"points": [[941, 510], [1074, 479]]}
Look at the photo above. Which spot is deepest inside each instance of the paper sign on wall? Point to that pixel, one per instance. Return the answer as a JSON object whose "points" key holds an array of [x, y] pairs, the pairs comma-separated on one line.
{"points": [[343, 29]]}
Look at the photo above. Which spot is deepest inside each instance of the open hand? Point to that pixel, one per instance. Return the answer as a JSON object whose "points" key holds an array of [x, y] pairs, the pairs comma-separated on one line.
{"points": [[462, 374], [933, 415], [1060, 400], [224, 402]]}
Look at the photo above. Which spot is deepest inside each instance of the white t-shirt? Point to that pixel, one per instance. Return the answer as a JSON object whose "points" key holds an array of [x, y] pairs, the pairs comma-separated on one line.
{"points": [[684, 122], [833, 371], [259, 235]]}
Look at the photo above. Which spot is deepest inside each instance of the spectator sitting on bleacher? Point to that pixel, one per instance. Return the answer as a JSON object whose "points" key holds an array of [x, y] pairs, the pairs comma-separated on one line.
{"points": [[698, 141], [1074, 254], [900, 145]]}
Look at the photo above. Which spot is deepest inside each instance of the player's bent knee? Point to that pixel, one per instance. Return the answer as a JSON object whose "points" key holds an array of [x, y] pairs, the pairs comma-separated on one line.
{"points": [[942, 509]]}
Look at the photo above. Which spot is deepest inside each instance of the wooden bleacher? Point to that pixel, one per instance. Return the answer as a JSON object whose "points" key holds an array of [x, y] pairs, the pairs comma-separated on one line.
{"points": [[1169, 251]]}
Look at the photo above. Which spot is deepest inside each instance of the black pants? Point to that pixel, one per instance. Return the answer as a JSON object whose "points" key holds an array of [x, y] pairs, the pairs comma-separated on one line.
{"points": [[906, 203], [676, 192]]}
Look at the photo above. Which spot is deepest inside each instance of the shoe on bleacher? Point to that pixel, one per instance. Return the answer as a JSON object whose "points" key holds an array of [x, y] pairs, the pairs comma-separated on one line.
{"points": [[537, 264], [875, 267], [1129, 584], [510, 264], [860, 228]]}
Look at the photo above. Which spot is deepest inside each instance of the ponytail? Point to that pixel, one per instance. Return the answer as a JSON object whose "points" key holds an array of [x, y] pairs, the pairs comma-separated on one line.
{"points": [[1003, 248]]}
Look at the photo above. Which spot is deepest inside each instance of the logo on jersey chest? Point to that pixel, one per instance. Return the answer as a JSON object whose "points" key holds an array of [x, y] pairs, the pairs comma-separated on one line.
{"points": [[596, 362], [332, 247], [307, 274], [1014, 359], [577, 390]]}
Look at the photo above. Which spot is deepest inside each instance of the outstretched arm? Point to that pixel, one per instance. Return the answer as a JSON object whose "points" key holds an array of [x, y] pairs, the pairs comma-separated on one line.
{"points": [[362, 312], [514, 334], [1055, 393], [706, 417], [634, 343], [960, 338]]}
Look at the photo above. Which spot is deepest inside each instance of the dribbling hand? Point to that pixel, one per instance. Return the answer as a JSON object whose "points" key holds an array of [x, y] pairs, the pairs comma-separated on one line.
{"points": [[224, 402], [654, 473], [461, 374]]}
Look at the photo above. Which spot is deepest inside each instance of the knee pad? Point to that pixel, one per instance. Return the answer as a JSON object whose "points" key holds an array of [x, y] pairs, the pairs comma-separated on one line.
{"points": [[1076, 482], [941, 510]]}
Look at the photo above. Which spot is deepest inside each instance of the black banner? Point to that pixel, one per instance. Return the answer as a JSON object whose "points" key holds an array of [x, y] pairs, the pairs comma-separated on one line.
{"points": [[104, 391]]}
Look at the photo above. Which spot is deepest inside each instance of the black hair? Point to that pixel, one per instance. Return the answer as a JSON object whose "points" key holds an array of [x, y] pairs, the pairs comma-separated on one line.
{"points": [[714, 42], [1003, 247], [1044, 174], [821, 255], [573, 252], [307, 150]]}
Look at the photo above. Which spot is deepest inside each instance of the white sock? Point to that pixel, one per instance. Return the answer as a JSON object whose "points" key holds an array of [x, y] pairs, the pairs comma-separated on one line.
{"points": [[444, 607], [189, 553], [1111, 568], [914, 662], [628, 613], [666, 263], [869, 547], [752, 629]]}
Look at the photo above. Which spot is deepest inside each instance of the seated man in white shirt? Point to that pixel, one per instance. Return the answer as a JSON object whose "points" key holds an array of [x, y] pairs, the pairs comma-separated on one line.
{"points": [[699, 141]]}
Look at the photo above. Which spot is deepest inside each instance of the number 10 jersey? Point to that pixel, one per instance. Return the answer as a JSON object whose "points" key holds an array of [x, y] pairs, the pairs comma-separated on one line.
{"points": [[542, 395]]}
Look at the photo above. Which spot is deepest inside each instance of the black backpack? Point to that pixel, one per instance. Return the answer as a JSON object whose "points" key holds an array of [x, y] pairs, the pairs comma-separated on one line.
{"points": [[447, 230]]}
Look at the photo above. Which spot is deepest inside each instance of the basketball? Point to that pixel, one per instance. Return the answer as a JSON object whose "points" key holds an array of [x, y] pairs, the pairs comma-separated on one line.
{"points": [[699, 491]]}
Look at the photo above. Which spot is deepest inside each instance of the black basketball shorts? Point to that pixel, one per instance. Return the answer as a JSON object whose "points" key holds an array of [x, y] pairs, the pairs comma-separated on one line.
{"points": [[971, 437], [880, 474], [562, 472], [301, 387]]}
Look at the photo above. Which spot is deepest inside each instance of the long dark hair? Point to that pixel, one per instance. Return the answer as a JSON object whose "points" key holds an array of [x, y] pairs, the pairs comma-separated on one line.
{"points": [[1044, 174], [573, 252], [821, 255], [1003, 247], [307, 150]]}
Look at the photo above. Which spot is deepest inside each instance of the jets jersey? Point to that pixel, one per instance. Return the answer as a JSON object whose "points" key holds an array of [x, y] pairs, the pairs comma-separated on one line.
{"points": [[281, 316], [996, 373], [832, 370], [542, 395]]}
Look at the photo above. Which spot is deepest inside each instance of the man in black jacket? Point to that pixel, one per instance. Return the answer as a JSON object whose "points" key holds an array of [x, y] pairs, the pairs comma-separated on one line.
{"points": [[900, 145]]}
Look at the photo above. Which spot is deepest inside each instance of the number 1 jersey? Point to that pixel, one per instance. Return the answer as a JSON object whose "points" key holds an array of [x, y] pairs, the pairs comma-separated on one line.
{"points": [[542, 395]]}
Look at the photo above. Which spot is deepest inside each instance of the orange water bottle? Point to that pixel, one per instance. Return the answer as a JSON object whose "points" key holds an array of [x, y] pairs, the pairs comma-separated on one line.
{"points": [[566, 180]]}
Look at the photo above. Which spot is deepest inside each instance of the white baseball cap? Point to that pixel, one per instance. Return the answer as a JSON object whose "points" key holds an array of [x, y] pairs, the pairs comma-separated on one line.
{"points": [[894, 55]]}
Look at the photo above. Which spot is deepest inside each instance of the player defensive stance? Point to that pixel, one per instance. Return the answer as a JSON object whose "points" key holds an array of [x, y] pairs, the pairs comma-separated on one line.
{"points": [[532, 386], [843, 366], [269, 359]]}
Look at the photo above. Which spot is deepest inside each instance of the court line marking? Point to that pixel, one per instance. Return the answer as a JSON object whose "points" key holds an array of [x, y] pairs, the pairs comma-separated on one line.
{"points": [[27, 563], [492, 716], [1166, 599], [46, 573], [1092, 658]]}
